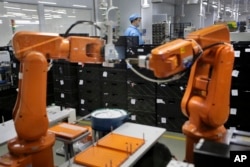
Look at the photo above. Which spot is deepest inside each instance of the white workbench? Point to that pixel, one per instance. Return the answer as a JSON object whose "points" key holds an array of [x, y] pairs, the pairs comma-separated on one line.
{"points": [[149, 133], [7, 129]]}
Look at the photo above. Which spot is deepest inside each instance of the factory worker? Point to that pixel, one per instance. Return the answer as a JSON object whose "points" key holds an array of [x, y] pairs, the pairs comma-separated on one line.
{"points": [[132, 30]]}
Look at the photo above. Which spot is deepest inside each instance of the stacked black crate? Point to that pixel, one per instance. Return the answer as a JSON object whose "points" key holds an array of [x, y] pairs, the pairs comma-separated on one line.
{"points": [[65, 84], [114, 86], [50, 87], [240, 88], [15, 65], [141, 97], [168, 105], [8, 91], [7, 103], [89, 87], [160, 32]]}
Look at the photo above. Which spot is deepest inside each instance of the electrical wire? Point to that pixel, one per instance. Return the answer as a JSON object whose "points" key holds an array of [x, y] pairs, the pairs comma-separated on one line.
{"points": [[80, 22], [173, 78]]}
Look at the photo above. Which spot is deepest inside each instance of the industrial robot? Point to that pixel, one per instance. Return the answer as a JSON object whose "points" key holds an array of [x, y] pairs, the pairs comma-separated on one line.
{"points": [[206, 101], [207, 52]]}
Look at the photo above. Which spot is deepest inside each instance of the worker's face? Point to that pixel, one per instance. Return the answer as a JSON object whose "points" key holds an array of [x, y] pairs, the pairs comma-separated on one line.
{"points": [[137, 22]]}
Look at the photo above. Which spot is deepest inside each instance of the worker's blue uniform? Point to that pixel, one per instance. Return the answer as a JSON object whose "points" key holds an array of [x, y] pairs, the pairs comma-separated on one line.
{"points": [[134, 31]]}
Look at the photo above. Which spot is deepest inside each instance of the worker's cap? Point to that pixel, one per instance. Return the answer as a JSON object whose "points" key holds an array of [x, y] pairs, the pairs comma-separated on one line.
{"points": [[134, 16]]}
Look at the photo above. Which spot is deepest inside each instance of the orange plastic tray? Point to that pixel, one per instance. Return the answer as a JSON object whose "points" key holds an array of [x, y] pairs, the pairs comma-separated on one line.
{"points": [[121, 142], [68, 130], [111, 150], [96, 156]]}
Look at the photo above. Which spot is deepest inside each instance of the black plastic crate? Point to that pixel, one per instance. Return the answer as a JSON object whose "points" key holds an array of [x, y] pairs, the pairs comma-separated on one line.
{"points": [[112, 104], [144, 118], [131, 75], [89, 84], [7, 101], [114, 86], [50, 99], [141, 88], [90, 104], [66, 97], [50, 76], [15, 67], [89, 72], [90, 93], [62, 68], [240, 75], [113, 74], [173, 124], [115, 97], [82, 111], [232, 121], [169, 107], [242, 52], [239, 120], [74, 105], [50, 88], [65, 83], [142, 103], [239, 98], [170, 90]]}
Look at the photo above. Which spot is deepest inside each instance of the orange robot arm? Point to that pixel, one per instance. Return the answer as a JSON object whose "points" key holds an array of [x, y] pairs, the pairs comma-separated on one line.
{"points": [[33, 50], [206, 98], [29, 114]]}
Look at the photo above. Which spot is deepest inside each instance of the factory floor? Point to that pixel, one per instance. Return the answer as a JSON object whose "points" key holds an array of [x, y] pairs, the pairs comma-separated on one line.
{"points": [[174, 141]]}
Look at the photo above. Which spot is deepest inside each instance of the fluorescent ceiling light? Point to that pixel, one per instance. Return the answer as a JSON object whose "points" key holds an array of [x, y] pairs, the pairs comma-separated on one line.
{"points": [[7, 15], [26, 22], [9, 7], [57, 16], [26, 17], [81, 6], [72, 16], [48, 10], [16, 13], [61, 12], [29, 10], [45, 2], [145, 4]]}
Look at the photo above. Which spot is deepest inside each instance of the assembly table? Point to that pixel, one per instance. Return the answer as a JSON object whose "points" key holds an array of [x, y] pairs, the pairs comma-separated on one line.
{"points": [[149, 133]]}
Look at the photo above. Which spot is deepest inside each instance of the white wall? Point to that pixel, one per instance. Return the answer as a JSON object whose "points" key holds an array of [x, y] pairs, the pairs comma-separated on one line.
{"points": [[191, 12], [164, 8]]}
